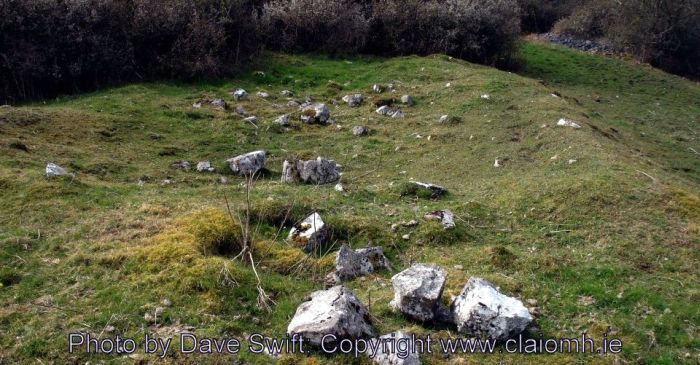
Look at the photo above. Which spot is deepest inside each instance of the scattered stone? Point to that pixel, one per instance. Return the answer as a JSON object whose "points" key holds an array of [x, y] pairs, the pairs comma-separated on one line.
{"points": [[293, 104], [318, 171], [409, 224], [392, 356], [219, 104], [378, 88], [394, 227], [166, 302], [110, 329], [486, 96], [481, 310], [417, 291], [444, 216], [407, 100], [335, 311], [204, 166], [159, 311], [282, 120], [350, 264], [165, 182], [572, 161], [53, 170], [449, 84], [406, 237], [240, 94], [444, 119], [197, 105], [182, 165], [497, 163], [397, 114], [360, 131], [262, 94], [384, 110], [459, 267], [568, 123], [339, 188], [251, 119], [223, 180], [247, 164], [315, 113], [436, 190], [353, 100], [286, 93], [311, 233]]}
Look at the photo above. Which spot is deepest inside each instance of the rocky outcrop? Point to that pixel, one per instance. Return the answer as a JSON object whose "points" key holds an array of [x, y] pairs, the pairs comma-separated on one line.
{"points": [[417, 291], [335, 311], [247, 164], [481, 310]]}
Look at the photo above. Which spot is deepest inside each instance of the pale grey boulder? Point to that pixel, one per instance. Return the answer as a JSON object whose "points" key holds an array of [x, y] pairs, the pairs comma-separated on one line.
{"points": [[436, 190], [282, 120], [389, 354], [482, 310], [407, 100], [247, 164], [319, 171], [310, 234], [417, 291], [384, 110], [204, 166], [353, 100], [360, 131], [315, 113], [53, 170], [219, 104], [289, 172], [335, 311], [239, 95], [563, 122], [350, 264]]}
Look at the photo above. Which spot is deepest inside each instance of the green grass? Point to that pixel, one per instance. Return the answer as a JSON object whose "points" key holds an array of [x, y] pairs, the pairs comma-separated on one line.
{"points": [[608, 244]]}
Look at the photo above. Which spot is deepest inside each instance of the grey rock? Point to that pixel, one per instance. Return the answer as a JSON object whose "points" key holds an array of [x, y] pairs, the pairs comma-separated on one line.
{"points": [[286, 93], [293, 104], [481, 310], [436, 190], [350, 264], [262, 94], [251, 119], [384, 110], [315, 113], [388, 350], [378, 88], [282, 120], [289, 172], [407, 100], [568, 123], [360, 131], [182, 165], [334, 311], [353, 100], [319, 171], [445, 118], [240, 94], [444, 216], [204, 166], [417, 291], [311, 233], [219, 104], [53, 170], [240, 110], [397, 114], [247, 164]]}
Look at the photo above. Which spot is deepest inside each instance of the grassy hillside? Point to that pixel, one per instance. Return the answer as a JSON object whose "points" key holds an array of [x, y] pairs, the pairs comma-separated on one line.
{"points": [[607, 244]]}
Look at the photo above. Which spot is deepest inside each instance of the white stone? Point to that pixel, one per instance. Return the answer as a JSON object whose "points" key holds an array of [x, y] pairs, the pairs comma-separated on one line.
{"points": [[53, 170], [383, 110], [240, 94], [311, 233], [204, 166], [417, 291], [353, 100], [568, 123], [315, 113], [282, 120]]}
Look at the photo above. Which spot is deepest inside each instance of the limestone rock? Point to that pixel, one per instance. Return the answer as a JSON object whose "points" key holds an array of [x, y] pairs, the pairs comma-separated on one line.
{"points": [[293, 104], [353, 100], [384, 110], [378, 88], [311, 233], [252, 119], [481, 310], [204, 166], [360, 130], [407, 100], [444, 216], [568, 123], [182, 165], [286, 93], [219, 104], [436, 190], [417, 291], [318, 171], [240, 94], [392, 356], [350, 264], [334, 311], [315, 113], [282, 120], [247, 164], [289, 172], [397, 114], [262, 94], [53, 170]]}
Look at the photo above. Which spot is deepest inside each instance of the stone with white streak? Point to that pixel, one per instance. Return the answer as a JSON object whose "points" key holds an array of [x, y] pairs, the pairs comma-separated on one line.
{"points": [[482, 310], [335, 311], [417, 291], [563, 122], [311, 233]]}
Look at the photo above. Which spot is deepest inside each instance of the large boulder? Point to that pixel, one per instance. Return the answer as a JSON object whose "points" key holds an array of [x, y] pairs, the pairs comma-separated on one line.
{"points": [[318, 171], [335, 311], [417, 291], [388, 350], [481, 310], [247, 164], [350, 264], [311, 233], [315, 113]]}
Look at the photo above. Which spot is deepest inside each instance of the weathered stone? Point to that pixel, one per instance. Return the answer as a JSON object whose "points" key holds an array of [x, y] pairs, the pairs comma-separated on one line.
{"points": [[378, 88], [444, 119], [289, 172], [417, 291], [247, 164], [315, 113], [282, 120], [407, 100], [444, 216], [293, 104], [350, 264], [53, 170], [360, 130], [353, 100], [286, 93], [318, 171], [481, 310], [219, 104], [262, 94], [335, 311], [204, 166], [436, 190], [384, 110], [397, 114], [568, 123], [182, 165], [251, 119], [311, 233], [240, 94], [389, 351]]}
